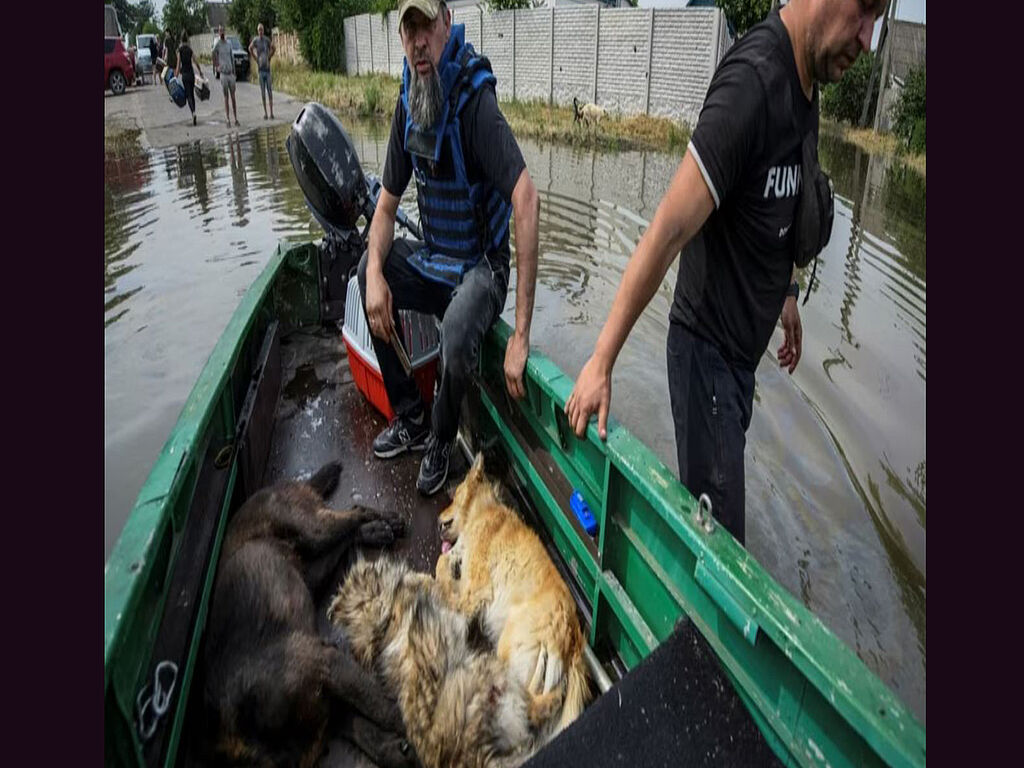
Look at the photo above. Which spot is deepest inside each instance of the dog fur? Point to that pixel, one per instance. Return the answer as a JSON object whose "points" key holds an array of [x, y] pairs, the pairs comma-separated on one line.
{"points": [[589, 114], [498, 568], [269, 678], [460, 705]]}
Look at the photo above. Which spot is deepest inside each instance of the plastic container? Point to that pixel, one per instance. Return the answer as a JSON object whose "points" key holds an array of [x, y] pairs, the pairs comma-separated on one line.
{"points": [[583, 513], [174, 87], [421, 340]]}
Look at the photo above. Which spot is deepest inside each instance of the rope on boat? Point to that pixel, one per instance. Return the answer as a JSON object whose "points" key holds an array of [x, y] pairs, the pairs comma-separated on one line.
{"points": [[158, 703]]}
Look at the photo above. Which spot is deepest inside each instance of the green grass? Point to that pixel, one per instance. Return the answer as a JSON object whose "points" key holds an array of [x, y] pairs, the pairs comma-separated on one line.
{"points": [[875, 143], [375, 96]]}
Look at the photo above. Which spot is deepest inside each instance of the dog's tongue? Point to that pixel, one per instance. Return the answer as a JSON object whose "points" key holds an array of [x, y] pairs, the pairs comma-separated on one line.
{"points": [[445, 546]]}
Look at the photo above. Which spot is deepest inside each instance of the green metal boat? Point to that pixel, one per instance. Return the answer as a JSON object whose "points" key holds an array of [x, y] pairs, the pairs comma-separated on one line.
{"points": [[275, 400]]}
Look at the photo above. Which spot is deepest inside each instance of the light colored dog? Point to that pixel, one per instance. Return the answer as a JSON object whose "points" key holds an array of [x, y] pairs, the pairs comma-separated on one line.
{"points": [[460, 704], [590, 114], [494, 566]]}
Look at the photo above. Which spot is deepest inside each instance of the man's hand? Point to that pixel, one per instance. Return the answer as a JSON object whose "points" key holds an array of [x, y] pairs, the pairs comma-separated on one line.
{"points": [[789, 352], [515, 364], [592, 392], [378, 305]]}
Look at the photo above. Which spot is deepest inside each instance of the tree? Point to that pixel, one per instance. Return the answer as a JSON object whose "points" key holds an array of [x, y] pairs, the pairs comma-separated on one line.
{"points": [[187, 15], [246, 15], [133, 16], [743, 14]]}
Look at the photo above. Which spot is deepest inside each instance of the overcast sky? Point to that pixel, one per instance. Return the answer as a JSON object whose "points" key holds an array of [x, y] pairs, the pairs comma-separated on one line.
{"points": [[908, 10]]}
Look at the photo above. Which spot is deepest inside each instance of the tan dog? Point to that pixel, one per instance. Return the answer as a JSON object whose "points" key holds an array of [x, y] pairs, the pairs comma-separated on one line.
{"points": [[590, 114], [493, 566], [459, 702]]}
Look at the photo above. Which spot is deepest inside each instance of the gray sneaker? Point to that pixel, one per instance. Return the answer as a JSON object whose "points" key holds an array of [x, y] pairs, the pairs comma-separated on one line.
{"points": [[434, 467], [401, 435]]}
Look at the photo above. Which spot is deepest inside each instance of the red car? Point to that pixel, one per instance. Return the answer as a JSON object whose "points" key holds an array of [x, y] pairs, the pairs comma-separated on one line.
{"points": [[118, 71]]}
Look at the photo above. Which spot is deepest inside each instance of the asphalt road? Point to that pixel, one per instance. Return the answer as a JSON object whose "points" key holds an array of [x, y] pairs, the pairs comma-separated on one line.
{"points": [[164, 124]]}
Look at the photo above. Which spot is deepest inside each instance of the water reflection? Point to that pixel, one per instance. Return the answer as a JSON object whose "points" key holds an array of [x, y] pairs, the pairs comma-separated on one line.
{"points": [[835, 454]]}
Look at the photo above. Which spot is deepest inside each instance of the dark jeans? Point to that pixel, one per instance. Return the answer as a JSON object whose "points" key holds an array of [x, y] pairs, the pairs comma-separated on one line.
{"points": [[188, 82], [711, 406], [466, 313]]}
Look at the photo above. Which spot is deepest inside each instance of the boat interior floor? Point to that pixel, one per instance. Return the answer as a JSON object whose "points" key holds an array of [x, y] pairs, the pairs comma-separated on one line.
{"points": [[321, 416]]}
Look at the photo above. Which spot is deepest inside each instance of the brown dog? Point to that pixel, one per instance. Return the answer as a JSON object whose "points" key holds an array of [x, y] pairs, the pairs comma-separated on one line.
{"points": [[270, 679]]}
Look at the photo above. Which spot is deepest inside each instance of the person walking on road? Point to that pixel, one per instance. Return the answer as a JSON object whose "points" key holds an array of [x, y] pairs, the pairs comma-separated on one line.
{"points": [[224, 66], [186, 61], [262, 49]]}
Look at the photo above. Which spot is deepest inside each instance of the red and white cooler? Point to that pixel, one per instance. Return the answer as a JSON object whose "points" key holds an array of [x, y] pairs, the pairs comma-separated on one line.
{"points": [[421, 340]]}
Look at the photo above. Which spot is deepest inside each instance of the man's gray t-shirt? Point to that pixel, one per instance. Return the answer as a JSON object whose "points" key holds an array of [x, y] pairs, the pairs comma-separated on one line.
{"points": [[262, 47], [223, 57]]}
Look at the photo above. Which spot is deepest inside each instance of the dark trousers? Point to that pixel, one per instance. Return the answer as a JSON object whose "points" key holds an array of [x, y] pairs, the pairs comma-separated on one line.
{"points": [[188, 82], [711, 407], [466, 313]]}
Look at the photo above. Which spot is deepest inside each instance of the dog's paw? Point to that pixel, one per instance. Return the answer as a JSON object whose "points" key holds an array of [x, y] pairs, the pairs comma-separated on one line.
{"points": [[397, 523], [376, 533]]}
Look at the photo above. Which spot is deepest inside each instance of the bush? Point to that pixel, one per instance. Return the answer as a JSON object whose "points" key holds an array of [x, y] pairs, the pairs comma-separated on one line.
{"points": [[321, 44], [909, 112], [845, 100], [373, 97]]}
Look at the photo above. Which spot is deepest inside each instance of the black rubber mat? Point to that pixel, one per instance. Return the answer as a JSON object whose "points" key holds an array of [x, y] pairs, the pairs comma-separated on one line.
{"points": [[675, 708]]}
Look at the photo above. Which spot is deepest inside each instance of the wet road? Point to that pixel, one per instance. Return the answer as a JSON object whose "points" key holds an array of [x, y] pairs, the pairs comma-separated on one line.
{"points": [[836, 462]]}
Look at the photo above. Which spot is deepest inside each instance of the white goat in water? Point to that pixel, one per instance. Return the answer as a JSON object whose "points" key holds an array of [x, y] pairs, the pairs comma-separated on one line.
{"points": [[590, 114]]}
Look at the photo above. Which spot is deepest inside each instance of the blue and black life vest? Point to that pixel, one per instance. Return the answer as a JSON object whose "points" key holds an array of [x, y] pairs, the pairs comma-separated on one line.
{"points": [[461, 221]]}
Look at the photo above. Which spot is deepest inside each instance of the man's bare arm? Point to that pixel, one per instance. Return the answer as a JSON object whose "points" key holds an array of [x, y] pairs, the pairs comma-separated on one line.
{"points": [[680, 215], [526, 204], [378, 294]]}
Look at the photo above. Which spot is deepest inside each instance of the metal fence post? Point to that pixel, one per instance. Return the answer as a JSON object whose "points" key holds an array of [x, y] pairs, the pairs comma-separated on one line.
{"points": [[597, 46], [551, 61], [650, 62], [355, 40], [514, 12]]}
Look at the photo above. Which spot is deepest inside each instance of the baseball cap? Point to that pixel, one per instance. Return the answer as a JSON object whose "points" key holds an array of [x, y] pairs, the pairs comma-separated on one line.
{"points": [[429, 8]]}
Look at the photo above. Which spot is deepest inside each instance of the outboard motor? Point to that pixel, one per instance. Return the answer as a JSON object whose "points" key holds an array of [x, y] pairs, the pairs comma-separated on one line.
{"points": [[332, 181], [338, 193]]}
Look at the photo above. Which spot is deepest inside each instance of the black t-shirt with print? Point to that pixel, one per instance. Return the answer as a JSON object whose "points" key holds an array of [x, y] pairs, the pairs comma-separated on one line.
{"points": [[491, 151], [733, 274]]}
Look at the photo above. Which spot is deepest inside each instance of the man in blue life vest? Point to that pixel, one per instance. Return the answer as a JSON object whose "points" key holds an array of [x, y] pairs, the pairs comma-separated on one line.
{"points": [[470, 176]]}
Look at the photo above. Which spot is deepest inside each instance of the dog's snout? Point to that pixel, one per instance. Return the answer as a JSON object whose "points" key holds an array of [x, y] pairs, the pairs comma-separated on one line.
{"points": [[444, 525]]}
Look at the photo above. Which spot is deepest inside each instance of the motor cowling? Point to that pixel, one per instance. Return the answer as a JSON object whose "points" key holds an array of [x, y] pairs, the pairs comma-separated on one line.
{"points": [[327, 168]]}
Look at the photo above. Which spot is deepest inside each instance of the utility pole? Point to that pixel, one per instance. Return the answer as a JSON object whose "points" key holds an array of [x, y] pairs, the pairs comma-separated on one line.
{"points": [[882, 40], [885, 71]]}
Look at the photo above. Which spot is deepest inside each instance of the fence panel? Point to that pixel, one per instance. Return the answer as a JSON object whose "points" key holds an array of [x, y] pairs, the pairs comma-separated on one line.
{"points": [[575, 41]]}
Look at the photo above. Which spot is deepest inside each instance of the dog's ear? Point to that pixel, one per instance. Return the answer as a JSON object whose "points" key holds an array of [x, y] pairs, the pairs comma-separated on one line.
{"points": [[476, 472]]}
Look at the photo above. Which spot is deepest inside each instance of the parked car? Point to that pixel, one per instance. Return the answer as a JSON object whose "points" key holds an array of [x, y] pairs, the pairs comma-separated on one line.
{"points": [[240, 55], [143, 56], [118, 70]]}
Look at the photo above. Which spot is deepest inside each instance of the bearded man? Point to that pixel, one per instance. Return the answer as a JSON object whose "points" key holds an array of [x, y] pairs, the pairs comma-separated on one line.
{"points": [[470, 176]]}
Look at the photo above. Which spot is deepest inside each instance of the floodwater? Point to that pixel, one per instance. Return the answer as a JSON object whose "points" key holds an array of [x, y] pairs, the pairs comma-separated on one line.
{"points": [[835, 453]]}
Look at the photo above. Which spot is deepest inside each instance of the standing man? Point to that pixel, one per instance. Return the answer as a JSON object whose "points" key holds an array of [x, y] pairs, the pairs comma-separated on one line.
{"points": [[154, 54], [262, 49], [733, 209], [224, 66], [470, 175]]}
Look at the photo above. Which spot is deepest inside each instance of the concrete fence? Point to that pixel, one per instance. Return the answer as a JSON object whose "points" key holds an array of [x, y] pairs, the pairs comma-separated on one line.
{"points": [[627, 60]]}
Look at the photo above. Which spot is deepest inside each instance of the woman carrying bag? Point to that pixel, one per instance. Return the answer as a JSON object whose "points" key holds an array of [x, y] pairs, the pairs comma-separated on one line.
{"points": [[184, 68]]}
